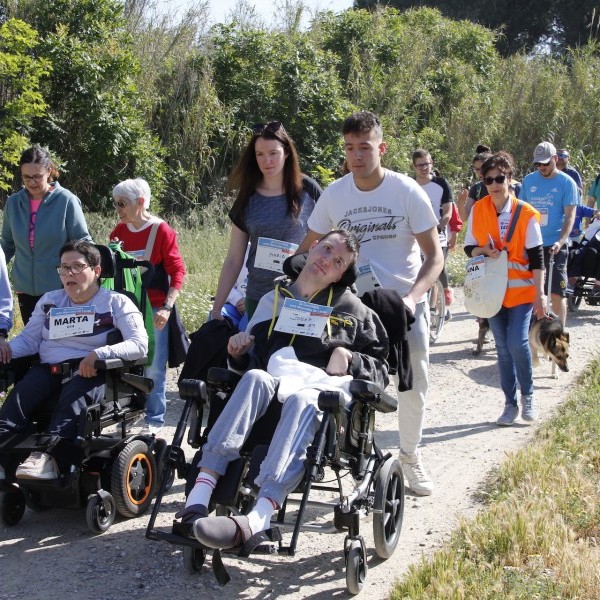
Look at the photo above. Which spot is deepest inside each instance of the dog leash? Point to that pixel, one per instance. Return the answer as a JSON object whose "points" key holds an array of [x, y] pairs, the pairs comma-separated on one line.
{"points": [[550, 274]]}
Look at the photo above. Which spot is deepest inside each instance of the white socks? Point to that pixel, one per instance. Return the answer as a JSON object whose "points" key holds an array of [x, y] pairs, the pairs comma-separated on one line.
{"points": [[259, 518], [202, 491]]}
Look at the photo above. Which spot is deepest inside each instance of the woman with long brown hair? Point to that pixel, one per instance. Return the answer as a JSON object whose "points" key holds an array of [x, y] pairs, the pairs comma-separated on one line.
{"points": [[273, 203]]}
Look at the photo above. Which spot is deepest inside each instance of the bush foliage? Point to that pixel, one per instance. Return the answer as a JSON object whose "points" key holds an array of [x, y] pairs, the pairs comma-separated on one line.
{"points": [[126, 92]]}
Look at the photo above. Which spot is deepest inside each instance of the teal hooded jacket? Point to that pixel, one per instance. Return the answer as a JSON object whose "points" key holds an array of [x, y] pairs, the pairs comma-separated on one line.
{"points": [[59, 220]]}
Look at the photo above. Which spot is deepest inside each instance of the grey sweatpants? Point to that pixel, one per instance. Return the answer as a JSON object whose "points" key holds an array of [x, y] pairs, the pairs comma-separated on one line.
{"points": [[283, 467]]}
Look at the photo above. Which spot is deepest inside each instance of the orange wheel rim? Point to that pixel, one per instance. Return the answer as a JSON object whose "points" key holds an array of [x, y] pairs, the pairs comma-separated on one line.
{"points": [[137, 465]]}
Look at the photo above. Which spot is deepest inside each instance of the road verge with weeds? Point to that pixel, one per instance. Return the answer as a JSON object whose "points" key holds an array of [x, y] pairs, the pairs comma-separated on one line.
{"points": [[539, 536]]}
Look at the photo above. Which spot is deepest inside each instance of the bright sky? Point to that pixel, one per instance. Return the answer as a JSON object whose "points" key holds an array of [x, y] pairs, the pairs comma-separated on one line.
{"points": [[221, 9]]}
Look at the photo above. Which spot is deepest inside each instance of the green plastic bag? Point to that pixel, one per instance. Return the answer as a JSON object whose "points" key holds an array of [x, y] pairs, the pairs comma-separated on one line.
{"points": [[132, 278]]}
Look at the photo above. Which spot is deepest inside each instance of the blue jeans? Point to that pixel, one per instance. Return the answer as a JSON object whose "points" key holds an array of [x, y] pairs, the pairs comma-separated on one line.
{"points": [[156, 402], [511, 333]]}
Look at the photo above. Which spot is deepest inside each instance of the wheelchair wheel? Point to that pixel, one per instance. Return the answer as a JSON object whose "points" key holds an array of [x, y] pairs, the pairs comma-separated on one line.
{"points": [[100, 514], [356, 567], [437, 307], [389, 504], [193, 559], [133, 479], [574, 301], [12, 506]]}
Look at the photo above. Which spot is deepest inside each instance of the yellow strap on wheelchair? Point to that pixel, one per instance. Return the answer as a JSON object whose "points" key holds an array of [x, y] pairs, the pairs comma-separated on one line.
{"points": [[289, 294]]}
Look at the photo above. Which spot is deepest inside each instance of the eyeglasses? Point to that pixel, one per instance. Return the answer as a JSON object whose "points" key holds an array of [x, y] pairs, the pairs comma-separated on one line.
{"points": [[74, 269], [423, 165], [497, 179], [273, 127], [120, 203], [34, 178], [541, 164]]}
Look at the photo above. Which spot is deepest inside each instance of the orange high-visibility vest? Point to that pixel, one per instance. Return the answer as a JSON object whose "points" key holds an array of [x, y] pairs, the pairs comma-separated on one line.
{"points": [[520, 289]]}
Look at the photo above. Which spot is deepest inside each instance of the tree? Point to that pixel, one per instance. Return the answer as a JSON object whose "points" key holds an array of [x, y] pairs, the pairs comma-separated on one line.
{"points": [[95, 122], [20, 97], [525, 24]]}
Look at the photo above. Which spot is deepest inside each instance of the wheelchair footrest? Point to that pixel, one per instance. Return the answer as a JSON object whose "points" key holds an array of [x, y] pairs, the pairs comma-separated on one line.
{"points": [[256, 543]]}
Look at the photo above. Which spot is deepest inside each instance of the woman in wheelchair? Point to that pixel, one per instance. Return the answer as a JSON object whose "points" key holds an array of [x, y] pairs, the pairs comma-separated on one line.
{"points": [[70, 325], [350, 342]]}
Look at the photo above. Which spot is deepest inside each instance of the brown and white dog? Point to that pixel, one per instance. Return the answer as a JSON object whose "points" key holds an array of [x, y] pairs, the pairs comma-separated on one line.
{"points": [[548, 338]]}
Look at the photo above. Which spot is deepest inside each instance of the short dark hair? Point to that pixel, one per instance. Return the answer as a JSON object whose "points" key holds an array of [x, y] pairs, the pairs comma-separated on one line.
{"points": [[39, 156], [350, 239], [420, 153], [502, 161], [87, 249], [362, 122]]}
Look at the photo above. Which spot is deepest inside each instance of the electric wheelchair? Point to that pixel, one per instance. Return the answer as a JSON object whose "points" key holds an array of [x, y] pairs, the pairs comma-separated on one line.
{"points": [[343, 445], [104, 472]]}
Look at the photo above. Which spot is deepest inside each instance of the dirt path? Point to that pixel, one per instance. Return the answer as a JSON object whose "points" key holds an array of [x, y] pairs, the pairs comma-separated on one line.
{"points": [[51, 554]]}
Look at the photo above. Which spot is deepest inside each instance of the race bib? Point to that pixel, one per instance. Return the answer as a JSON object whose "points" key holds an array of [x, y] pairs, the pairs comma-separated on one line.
{"points": [[71, 321], [303, 318], [366, 280], [271, 254], [137, 254], [475, 269]]}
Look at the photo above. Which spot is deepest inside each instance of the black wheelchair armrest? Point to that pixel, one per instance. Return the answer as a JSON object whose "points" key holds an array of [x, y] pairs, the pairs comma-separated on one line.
{"points": [[367, 391], [223, 377], [143, 384]]}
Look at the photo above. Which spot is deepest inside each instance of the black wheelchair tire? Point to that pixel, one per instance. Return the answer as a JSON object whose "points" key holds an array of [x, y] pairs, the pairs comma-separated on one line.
{"points": [[193, 559], [12, 506], [134, 479], [356, 567], [99, 514], [389, 504], [574, 301]]}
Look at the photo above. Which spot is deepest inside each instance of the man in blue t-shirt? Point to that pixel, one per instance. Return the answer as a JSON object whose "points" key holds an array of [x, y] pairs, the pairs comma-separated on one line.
{"points": [[555, 196]]}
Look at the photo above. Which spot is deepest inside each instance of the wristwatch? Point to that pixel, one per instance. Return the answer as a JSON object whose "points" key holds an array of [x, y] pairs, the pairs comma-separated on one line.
{"points": [[168, 307]]}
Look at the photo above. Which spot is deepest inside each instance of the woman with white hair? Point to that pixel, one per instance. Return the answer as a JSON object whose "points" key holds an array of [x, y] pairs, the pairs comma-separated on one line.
{"points": [[149, 238]]}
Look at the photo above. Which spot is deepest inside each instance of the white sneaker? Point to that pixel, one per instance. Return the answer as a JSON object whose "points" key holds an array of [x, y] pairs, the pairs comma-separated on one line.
{"points": [[416, 475], [38, 465]]}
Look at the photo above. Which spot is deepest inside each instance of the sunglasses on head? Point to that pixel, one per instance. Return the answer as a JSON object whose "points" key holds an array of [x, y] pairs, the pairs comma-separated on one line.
{"points": [[497, 179], [260, 128]]}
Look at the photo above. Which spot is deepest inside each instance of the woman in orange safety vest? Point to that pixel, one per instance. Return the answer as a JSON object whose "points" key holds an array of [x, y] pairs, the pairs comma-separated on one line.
{"points": [[489, 222]]}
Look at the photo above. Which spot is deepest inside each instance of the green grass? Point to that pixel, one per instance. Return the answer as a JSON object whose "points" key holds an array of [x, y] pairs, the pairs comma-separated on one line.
{"points": [[539, 537]]}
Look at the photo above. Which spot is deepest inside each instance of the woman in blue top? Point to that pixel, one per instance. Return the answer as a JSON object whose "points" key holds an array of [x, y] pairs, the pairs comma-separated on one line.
{"points": [[271, 210], [38, 220]]}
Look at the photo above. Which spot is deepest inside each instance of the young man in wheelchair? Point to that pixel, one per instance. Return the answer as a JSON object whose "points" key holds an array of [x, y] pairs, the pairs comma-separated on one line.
{"points": [[70, 325], [350, 343]]}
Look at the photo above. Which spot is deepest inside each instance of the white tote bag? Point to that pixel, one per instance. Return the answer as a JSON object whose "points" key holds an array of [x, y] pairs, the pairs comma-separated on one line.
{"points": [[485, 284]]}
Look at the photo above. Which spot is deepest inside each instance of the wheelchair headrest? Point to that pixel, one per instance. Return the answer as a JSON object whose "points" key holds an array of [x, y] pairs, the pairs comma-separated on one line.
{"points": [[294, 264], [107, 261]]}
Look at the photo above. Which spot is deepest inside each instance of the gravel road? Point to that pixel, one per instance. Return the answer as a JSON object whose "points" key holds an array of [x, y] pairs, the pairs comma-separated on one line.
{"points": [[51, 554]]}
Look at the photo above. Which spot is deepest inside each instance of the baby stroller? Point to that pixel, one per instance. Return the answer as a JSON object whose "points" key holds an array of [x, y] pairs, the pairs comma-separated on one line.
{"points": [[344, 445], [104, 472]]}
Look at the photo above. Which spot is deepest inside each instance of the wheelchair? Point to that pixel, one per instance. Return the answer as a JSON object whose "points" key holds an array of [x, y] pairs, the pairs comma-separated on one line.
{"points": [[584, 263], [344, 445], [104, 472]]}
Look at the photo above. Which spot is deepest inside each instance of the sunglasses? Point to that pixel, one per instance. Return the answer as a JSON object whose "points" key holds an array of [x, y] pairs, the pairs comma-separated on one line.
{"points": [[539, 164], [497, 179], [120, 204], [273, 127]]}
